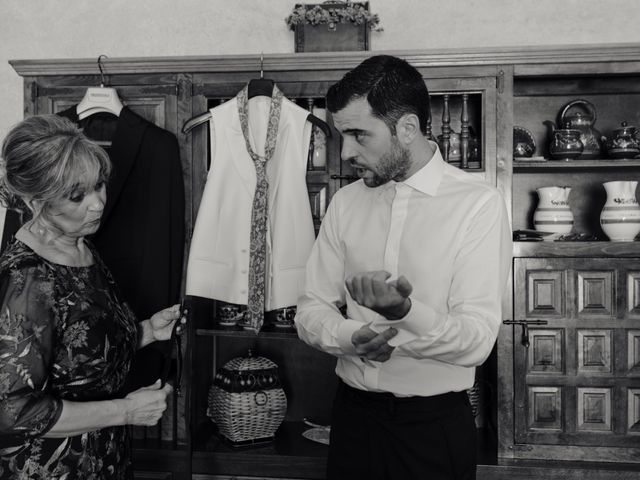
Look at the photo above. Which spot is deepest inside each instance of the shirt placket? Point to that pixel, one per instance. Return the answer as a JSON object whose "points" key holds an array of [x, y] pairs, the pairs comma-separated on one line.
{"points": [[399, 208]]}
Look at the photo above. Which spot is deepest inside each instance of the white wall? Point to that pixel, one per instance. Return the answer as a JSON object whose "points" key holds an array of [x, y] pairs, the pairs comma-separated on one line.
{"points": [[36, 29]]}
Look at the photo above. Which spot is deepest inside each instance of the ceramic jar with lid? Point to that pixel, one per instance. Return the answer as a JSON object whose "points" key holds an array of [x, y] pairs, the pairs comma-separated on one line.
{"points": [[624, 142], [565, 142]]}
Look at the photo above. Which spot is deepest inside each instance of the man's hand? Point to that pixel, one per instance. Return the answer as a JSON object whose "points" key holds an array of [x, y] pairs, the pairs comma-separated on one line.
{"points": [[372, 345], [389, 299]]}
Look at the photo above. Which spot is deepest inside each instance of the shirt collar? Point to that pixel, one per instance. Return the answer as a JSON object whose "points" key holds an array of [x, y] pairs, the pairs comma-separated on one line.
{"points": [[428, 178]]}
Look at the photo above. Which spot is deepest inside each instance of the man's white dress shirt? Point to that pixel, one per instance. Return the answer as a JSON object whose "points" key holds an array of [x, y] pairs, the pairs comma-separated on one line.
{"points": [[448, 233]]}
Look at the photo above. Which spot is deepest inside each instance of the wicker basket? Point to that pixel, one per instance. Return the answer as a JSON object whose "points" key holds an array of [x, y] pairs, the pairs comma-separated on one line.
{"points": [[246, 400]]}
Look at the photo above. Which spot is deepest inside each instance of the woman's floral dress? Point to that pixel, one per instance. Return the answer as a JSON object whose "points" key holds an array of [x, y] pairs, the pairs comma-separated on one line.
{"points": [[64, 334]]}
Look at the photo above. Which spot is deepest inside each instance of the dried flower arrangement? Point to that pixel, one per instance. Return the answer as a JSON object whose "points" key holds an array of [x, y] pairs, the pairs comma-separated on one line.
{"points": [[332, 13]]}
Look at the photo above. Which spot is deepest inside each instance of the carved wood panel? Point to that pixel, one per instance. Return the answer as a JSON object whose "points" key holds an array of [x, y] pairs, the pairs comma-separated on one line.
{"points": [[633, 408], [595, 293], [578, 379], [594, 351], [545, 408], [633, 294], [594, 409], [545, 293], [633, 352], [546, 352]]}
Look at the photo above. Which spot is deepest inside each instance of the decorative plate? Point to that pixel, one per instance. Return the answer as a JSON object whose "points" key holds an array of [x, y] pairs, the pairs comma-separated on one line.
{"points": [[318, 434], [524, 145]]}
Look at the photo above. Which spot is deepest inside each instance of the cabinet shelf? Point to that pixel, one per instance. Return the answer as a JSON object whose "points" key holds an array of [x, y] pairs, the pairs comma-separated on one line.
{"points": [[605, 163], [290, 454], [267, 332], [576, 249]]}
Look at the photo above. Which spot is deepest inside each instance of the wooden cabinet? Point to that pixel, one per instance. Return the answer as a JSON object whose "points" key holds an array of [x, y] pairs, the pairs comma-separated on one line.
{"points": [[572, 394], [308, 375], [573, 381], [579, 374], [154, 97]]}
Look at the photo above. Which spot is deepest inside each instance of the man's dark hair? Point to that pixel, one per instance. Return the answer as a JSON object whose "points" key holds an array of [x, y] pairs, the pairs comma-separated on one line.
{"points": [[391, 86]]}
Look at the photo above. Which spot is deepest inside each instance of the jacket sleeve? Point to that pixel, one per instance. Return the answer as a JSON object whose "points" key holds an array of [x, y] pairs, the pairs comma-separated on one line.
{"points": [[27, 334]]}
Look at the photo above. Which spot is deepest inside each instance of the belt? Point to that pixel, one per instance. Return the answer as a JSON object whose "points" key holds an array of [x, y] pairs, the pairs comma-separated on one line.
{"points": [[432, 402]]}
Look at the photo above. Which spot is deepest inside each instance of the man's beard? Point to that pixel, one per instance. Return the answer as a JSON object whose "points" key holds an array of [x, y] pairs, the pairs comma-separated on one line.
{"points": [[393, 165]]}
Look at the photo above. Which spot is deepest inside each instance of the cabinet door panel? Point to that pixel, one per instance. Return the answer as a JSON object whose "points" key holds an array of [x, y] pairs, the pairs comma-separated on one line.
{"points": [[574, 386]]}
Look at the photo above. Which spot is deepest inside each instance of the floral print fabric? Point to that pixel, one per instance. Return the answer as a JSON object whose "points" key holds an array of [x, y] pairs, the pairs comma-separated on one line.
{"points": [[258, 236], [64, 334]]}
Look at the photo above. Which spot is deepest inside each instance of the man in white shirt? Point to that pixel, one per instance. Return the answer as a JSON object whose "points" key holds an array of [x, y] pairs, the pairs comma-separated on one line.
{"points": [[419, 253]]}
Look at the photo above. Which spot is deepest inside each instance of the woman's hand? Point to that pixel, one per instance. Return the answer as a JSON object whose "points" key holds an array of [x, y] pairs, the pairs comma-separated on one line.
{"points": [[146, 405], [160, 325]]}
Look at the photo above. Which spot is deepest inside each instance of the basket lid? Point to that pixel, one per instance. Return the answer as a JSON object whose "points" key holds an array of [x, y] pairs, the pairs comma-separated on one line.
{"points": [[247, 374], [249, 362]]}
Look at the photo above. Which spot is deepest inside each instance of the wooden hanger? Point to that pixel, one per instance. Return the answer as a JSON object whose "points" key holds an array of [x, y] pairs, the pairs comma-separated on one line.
{"points": [[206, 116], [195, 121], [99, 99], [257, 87]]}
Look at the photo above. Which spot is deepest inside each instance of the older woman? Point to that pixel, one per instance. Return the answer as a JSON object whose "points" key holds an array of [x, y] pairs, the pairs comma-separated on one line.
{"points": [[66, 337]]}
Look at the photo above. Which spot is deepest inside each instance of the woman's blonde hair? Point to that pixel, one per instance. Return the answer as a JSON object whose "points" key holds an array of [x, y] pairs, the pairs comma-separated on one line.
{"points": [[46, 158]]}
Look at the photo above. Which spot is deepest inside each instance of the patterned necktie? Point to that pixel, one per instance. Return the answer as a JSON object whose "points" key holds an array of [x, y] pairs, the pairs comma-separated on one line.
{"points": [[258, 236]]}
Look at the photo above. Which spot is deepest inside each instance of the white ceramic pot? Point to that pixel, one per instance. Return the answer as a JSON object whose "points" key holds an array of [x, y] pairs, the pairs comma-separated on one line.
{"points": [[620, 216], [553, 213]]}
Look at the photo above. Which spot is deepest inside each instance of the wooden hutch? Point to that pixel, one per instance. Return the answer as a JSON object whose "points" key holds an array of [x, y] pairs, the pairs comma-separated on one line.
{"points": [[566, 406]]}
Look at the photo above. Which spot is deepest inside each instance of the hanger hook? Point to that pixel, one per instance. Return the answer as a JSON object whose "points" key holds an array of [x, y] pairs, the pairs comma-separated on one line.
{"points": [[102, 82], [261, 64]]}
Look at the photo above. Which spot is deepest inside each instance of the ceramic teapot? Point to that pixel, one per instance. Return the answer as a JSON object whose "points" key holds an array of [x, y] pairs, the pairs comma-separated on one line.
{"points": [[624, 142], [565, 142], [584, 122]]}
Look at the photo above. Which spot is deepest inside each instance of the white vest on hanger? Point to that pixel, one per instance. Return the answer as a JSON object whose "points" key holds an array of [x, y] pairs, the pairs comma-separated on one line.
{"points": [[219, 253]]}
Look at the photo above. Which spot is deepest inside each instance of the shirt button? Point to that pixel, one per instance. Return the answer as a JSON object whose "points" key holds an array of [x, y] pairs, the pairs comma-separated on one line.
{"points": [[243, 291], [243, 271], [244, 250]]}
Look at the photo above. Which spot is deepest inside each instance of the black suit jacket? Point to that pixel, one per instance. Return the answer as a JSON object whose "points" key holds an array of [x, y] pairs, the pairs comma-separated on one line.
{"points": [[141, 236]]}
